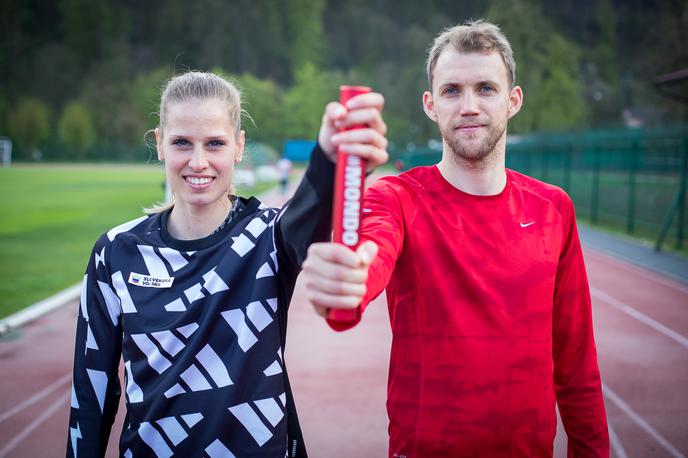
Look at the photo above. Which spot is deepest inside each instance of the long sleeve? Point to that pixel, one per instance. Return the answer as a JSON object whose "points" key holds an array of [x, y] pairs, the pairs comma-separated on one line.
{"points": [[576, 374], [96, 388], [307, 217], [384, 208]]}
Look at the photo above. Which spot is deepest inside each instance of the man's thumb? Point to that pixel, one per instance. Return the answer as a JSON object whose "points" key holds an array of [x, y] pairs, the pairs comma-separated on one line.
{"points": [[367, 251]]}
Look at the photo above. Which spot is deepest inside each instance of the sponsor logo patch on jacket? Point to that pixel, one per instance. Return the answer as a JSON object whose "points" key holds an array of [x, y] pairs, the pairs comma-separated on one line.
{"points": [[150, 282]]}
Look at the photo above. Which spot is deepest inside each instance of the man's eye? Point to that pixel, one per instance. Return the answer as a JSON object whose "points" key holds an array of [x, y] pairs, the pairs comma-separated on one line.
{"points": [[486, 89], [451, 91]]}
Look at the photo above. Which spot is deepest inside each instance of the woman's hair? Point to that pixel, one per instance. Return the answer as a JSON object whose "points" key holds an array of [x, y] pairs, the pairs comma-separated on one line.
{"points": [[195, 85], [202, 86]]}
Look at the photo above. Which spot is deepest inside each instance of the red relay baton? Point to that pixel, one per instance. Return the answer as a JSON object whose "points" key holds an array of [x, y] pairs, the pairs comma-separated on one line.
{"points": [[348, 195]]}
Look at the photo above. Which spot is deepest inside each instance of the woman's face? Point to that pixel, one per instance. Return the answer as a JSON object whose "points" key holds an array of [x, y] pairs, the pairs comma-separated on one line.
{"points": [[200, 147]]}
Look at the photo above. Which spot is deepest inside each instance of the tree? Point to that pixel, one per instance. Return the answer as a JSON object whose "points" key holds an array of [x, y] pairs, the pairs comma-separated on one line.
{"points": [[547, 68], [144, 94], [304, 32], [560, 89], [263, 102], [89, 26], [4, 112], [305, 100], [75, 128], [29, 125]]}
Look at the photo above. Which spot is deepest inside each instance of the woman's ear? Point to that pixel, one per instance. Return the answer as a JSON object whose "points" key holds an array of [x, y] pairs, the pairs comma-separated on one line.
{"points": [[158, 144], [241, 142]]}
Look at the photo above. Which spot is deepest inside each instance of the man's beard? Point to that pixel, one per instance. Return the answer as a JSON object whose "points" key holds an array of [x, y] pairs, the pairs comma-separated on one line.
{"points": [[479, 153]]}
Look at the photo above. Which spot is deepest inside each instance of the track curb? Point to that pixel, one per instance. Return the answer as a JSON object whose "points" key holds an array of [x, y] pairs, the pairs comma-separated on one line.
{"points": [[39, 309]]}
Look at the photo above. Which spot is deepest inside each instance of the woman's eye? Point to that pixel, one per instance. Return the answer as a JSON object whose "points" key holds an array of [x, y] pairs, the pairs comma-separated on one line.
{"points": [[180, 142], [216, 143]]}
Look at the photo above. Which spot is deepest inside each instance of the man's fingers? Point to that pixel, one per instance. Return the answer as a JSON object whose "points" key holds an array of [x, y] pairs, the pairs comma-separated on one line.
{"points": [[335, 272], [334, 276], [331, 253], [367, 251], [341, 288], [334, 262], [332, 301], [320, 310]]}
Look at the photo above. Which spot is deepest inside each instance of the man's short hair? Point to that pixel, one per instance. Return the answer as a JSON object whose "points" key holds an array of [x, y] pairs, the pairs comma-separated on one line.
{"points": [[473, 36]]}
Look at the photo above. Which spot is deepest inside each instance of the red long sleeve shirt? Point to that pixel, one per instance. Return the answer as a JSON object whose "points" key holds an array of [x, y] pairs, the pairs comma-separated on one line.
{"points": [[491, 318]]}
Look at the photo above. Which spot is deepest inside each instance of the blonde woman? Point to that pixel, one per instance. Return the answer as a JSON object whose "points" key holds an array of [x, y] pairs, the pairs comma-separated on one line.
{"points": [[194, 296]]}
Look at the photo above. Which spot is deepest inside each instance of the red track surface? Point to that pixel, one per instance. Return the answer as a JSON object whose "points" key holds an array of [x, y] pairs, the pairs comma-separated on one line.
{"points": [[339, 380]]}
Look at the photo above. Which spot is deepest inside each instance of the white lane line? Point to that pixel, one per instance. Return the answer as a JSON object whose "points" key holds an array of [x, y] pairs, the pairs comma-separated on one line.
{"points": [[640, 421], [615, 442], [627, 309], [24, 433], [36, 397], [648, 274]]}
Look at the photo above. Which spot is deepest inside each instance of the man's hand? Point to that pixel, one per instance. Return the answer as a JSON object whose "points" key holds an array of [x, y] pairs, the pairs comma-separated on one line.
{"points": [[368, 143], [335, 276]]}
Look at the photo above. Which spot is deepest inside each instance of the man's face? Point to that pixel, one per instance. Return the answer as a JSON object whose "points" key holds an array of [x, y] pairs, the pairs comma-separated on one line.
{"points": [[471, 102]]}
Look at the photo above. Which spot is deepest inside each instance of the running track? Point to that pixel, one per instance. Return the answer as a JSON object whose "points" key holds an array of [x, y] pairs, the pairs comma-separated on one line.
{"points": [[641, 327]]}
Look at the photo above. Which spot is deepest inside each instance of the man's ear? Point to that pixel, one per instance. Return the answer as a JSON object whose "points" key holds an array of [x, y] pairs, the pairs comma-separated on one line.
{"points": [[515, 101], [241, 143], [429, 106], [158, 144]]}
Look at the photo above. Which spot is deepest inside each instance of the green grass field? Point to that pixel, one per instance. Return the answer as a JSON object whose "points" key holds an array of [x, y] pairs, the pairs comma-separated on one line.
{"points": [[52, 215]]}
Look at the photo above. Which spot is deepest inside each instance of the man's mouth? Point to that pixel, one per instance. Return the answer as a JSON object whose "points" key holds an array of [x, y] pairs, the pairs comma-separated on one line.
{"points": [[469, 127]]}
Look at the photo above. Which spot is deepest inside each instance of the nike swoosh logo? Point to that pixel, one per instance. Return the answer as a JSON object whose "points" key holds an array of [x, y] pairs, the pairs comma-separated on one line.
{"points": [[527, 224]]}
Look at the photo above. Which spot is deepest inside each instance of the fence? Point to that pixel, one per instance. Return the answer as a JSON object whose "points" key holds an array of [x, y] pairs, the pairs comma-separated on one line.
{"points": [[628, 180]]}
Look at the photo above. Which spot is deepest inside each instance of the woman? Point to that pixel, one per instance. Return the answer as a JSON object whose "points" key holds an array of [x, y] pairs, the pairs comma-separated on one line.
{"points": [[194, 296]]}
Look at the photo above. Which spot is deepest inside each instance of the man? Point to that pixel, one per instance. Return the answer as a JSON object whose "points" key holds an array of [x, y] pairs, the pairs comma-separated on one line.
{"points": [[488, 297]]}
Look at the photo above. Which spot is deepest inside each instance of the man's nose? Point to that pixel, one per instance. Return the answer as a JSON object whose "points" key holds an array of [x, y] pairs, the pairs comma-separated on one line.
{"points": [[469, 104]]}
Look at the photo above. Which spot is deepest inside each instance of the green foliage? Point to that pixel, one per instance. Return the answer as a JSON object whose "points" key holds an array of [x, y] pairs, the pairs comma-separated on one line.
{"points": [[87, 26], [304, 29], [75, 128], [581, 62], [559, 105], [401, 78], [305, 100], [262, 101], [29, 125], [4, 113], [117, 118], [546, 68], [602, 50], [144, 93]]}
